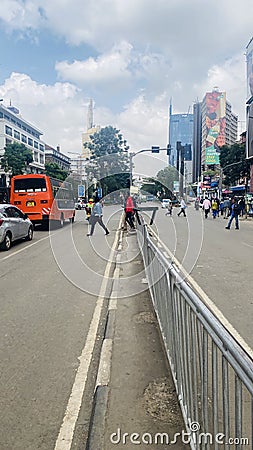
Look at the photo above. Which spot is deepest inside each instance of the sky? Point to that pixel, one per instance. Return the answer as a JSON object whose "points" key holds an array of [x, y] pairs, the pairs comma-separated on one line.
{"points": [[129, 56]]}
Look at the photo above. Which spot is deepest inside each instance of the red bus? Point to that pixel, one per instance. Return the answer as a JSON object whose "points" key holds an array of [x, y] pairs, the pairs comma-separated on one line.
{"points": [[43, 198]]}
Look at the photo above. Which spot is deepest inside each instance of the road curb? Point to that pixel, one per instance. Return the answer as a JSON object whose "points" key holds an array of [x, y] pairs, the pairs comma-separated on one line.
{"points": [[98, 416]]}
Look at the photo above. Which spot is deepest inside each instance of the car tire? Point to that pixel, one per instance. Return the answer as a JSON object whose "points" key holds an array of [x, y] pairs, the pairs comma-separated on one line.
{"points": [[72, 219], [29, 234], [6, 244]]}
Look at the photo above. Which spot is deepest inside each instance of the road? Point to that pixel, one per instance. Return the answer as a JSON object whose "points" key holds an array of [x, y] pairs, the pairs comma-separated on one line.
{"points": [[53, 307], [219, 260], [47, 305]]}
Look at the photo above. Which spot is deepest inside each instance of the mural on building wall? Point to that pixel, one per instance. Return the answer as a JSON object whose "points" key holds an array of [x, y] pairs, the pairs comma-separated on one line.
{"points": [[215, 125], [249, 59]]}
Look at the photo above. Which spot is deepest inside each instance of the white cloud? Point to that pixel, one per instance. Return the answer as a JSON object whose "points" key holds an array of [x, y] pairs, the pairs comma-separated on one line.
{"points": [[57, 110], [108, 67], [147, 51]]}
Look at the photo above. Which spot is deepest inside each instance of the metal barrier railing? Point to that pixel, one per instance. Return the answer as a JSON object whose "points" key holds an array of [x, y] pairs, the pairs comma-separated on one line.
{"points": [[212, 372]]}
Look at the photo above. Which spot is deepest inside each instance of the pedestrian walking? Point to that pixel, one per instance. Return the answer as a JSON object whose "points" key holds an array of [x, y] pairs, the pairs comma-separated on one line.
{"points": [[169, 209], [235, 211], [242, 205], [226, 208], [96, 217], [183, 208], [206, 206], [129, 210], [214, 207]]}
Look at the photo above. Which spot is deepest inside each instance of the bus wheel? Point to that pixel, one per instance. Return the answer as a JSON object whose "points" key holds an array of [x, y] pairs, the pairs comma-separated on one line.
{"points": [[61, 221], [6, 244]]}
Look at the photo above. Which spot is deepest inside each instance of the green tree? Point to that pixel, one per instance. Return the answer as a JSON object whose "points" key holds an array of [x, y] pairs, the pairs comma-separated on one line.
{"points": [[167, 177], [231, 154], [53, 170], [109, 160], [155, 187], [16, 158]]}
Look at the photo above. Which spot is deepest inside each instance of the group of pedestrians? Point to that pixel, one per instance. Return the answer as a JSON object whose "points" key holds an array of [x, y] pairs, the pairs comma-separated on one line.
{"points": [[231, 209]]}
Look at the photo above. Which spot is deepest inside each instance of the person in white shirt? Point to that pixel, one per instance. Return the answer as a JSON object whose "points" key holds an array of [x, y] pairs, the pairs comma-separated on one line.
{"points": [[183, 207], [206, 207]]}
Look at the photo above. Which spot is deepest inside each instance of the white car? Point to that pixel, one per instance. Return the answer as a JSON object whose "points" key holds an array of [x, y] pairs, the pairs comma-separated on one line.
{"points": [[14, 225], [165, 202]]}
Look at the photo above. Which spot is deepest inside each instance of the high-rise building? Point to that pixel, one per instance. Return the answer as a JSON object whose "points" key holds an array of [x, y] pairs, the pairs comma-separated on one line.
{"points": [[181, 130], [91, 129], [249, 109], [219, 127], [197, 142]]}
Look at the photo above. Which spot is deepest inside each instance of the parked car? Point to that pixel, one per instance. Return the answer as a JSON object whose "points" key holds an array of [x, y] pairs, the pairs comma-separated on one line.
{"points": [[14, 225], [165, 202], [80, 204]]}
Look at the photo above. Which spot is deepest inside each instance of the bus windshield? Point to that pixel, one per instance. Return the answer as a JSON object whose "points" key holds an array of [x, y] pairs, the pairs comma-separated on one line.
{"points": [[30, 185]]}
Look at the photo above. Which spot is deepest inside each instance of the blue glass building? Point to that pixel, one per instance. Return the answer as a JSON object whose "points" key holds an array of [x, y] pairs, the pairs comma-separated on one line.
{"points": [[180, 129]]}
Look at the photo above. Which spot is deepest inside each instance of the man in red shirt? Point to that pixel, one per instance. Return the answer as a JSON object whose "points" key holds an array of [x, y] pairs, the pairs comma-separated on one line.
{"points": [[129, 210]]}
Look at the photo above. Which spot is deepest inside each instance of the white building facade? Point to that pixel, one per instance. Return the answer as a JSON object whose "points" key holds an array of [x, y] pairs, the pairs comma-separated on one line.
{"points": [[13, 128]]}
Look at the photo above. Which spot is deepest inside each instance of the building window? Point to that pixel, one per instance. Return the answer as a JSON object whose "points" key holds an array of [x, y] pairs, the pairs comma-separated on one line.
{"points": [[36, 145], [42, 147], [30, 141], [41, 159], [8, 141], [8, 130], [16, 135], [24, 138], [36, 158]]}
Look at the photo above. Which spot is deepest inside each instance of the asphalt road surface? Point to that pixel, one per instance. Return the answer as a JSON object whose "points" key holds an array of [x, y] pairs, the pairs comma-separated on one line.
{"points": [[49, 292], [219, 260], [53, 307]]}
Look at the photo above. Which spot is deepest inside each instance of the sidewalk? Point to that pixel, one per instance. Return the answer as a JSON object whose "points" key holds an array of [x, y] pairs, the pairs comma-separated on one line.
{"points": [[139, 400]]}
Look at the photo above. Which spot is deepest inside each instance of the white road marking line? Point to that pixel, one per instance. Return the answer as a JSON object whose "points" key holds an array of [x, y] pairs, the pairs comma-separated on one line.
{"points": [[248, 245], [24, 248], [208, 302], [65, 437]]}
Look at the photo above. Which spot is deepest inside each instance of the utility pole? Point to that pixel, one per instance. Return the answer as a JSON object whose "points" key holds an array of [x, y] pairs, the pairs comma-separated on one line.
{"points": [[180, 167]]}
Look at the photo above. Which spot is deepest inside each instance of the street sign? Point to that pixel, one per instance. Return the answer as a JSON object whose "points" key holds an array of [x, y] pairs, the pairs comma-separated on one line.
{"points": [[81, 190]]}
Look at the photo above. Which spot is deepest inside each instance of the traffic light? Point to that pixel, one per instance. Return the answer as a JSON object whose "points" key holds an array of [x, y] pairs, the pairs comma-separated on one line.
{"points": [[168, 149], [187, 152], [179, 146], [155, 149]]}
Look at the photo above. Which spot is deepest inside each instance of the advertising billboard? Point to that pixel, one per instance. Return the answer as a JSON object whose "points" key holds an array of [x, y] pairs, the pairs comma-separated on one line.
{"points": [[215, 125], [249, 59]]}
